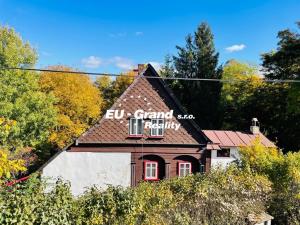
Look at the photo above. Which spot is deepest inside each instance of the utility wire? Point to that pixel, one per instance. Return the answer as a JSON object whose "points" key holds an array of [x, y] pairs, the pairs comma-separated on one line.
{"points": [[148, 77]]}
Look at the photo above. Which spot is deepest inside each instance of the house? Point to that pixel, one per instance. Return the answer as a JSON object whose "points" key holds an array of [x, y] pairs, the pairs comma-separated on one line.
{"points": [[145, 135], [225, 144], [260, 219]]}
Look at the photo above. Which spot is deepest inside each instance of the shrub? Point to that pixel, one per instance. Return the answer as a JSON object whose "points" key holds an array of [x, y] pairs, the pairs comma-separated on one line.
{"points": [[219, 197], [284, 173]]}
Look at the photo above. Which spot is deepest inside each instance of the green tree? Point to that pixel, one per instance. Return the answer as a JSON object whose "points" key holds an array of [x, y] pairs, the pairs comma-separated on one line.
{"points": [[240, 81], [20, 97], [111, 90], [284, 63], [167, 69], [104, 85], [247, 96], [198, 59]]}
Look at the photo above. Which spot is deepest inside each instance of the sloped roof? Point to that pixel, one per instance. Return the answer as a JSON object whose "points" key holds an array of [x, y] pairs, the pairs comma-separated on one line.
{"points": [[259, 218], [151, 95], [226, 138]]}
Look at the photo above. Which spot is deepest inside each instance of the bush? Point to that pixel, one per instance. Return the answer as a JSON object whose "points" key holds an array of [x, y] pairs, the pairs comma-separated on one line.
{"points": [[219, 197], [284, 173]]}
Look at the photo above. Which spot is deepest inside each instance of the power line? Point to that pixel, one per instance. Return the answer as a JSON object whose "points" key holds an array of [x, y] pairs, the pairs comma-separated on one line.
{"points": [[148, 77]]}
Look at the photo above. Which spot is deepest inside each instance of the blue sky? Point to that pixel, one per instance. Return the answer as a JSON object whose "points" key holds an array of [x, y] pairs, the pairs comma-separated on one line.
{"points": [[111, 36]]}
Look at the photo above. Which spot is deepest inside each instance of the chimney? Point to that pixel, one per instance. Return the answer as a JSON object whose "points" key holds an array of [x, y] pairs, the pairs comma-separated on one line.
{"points": [[141, 68], [255, 126]]}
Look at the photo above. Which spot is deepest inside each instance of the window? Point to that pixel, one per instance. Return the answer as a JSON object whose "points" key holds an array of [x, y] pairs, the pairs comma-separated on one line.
{"points": [[151, 170], [184, 168], [157, 128], [136, 127], [223, 153], [202, 168]]}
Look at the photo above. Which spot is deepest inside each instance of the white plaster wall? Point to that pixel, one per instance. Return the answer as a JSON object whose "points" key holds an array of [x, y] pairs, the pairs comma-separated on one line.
{"points": [[85, 169], [224, 161]]}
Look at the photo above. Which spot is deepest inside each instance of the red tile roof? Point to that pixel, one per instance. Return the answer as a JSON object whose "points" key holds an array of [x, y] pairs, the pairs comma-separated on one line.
{"points": [[224, 138], [151, 95]]}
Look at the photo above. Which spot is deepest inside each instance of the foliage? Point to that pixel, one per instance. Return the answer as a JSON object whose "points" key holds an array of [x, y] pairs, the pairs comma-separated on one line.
{"points": [[9, 166], [111, 90], [220, 197], [276, 105], [236, 93], [284, 63], [248, 97], [78, 103], [13, 51], [27, 203], [227, 195], [284, 172], [26, 113], [198, 59]]}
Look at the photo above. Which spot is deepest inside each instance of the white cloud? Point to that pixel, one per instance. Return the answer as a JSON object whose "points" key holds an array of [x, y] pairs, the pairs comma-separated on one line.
{"points": [[92, 62], [45, 53], [117, 61], [122, 63], [235, 48], [117, 35], [157, 65], [139, 33]]}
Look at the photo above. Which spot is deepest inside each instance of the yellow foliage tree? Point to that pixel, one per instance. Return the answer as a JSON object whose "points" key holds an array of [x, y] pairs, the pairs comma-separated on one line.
{"points": [[78, 103], [8, 166], [11, 162], [260, 158], [246, 77]]}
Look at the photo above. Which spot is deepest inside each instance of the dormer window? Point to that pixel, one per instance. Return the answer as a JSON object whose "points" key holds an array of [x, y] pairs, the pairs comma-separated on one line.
{"points": [[136, 127], [157, 129]]}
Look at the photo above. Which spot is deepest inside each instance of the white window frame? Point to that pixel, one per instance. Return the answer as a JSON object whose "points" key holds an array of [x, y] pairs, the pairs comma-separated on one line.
{"points": [[153, 165], [136, 133], [157, 129], [185, 168]]}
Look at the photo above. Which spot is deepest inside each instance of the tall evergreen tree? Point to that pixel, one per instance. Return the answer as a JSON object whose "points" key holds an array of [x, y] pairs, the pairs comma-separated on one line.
{"points": [[284, 63], [199, 59]]}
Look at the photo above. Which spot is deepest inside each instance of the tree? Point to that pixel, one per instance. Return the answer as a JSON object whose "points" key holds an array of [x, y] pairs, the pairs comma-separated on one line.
{"points": [[198, 59], [21, 100], [284, 173], [78, 103], [104, 85], [111, 90], [284, 63], [9, 167], [167, 70], [240, 81], [248, 96]]}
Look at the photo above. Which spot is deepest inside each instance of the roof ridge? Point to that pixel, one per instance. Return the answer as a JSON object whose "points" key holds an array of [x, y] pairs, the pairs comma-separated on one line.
{"points": [[200, 138], [177, 102], [112, 107]]}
